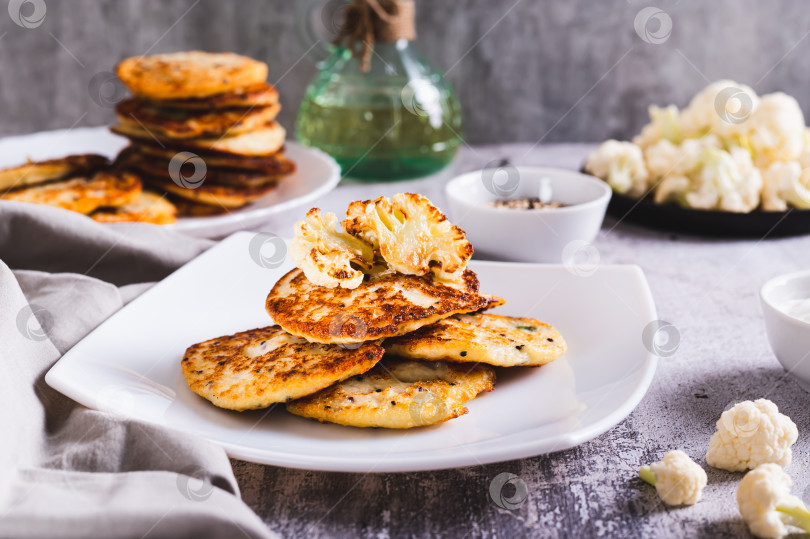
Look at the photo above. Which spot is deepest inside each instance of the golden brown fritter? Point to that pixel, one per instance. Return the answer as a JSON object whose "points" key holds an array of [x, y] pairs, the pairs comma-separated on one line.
{"points": [[147, 208], [256, 368], [384, 305], [83, 195], [33, 173], [504, 341], [398, 395], [189, 74], [255, 95], [263, 141], [180, 124]]}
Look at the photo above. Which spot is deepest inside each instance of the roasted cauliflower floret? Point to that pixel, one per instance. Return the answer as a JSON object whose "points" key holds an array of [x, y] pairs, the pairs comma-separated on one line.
{"points": [[411, 235], [329, 257]]}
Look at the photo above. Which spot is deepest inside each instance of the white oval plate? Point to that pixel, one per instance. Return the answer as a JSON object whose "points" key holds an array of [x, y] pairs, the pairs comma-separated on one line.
{"points": [[316, 175], [130, 365]]}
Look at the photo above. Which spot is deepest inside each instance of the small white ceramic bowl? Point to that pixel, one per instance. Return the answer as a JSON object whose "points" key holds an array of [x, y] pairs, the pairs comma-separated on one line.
{"points": [[789, 336], [527, 235]]}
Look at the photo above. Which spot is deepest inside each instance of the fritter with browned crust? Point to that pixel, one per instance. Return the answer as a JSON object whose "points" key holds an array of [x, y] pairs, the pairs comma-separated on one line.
{"points": [[256, 368]]}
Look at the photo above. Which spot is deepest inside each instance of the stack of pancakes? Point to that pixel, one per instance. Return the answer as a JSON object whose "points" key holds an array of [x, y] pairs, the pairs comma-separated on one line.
{"points": [[396, 351], [202, 129], [86, 184]]}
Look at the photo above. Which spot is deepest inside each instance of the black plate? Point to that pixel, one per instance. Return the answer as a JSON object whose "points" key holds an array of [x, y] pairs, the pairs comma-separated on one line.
{"points": [[669, 217]]}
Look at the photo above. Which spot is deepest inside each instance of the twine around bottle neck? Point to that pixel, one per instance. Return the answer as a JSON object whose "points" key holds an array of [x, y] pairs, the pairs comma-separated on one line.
{"points": [[368, 21]]}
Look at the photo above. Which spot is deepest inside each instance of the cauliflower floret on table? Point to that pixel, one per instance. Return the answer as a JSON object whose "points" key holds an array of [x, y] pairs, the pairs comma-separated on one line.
{"points": [[621, 165], [750, 434], [785, 183], [677, 478], [766, 504], [411, 235], [326, 255], [664, 125], [721, 108], [775, 131]]}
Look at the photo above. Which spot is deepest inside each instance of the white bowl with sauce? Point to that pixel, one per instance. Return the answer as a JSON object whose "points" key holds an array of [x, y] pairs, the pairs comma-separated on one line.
{"points": [[786, 306], [554, 235]]}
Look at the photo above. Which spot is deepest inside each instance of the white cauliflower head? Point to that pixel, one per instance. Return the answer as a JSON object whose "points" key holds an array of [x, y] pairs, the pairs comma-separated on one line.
{"points": [[721, 108], [621, 165], [665, 158], [785, 183], [706, 177], [677, 478], [804, 156], [750, 434], [766, 504], [329, 257], [411, 235], [664, 125], [775, 131]]}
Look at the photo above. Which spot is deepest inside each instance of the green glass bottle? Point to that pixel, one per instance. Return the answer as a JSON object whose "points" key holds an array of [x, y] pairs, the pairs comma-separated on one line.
{"points": [[399, 119]]}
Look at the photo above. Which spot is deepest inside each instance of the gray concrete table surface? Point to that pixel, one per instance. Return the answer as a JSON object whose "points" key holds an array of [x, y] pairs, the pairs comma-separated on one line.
{"points": [[707, 288]]}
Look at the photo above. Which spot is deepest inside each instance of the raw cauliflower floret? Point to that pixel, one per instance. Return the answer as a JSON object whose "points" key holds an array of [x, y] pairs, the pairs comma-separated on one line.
{"points": [[621, 165], [411, 235], [766, 504], [750, 434], [804, 156], [775, 131], [720, 108], [785, 183], [664, 125], [328, 256], [677, 478], [727, 180], [709, 178], [665, 158]]}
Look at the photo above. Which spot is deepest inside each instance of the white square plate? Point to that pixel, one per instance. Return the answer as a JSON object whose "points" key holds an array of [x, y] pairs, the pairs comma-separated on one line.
{"points": [[130, 365]]}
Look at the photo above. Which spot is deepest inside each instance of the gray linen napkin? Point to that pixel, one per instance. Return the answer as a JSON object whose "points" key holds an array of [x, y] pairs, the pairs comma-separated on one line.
{"points": [[66, 471]]}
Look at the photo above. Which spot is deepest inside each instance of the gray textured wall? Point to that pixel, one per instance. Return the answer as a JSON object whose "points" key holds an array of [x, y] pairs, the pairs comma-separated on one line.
{"points": [[556, 70]]}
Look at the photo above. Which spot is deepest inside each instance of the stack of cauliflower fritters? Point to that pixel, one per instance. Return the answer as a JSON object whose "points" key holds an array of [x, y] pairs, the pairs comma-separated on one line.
{"points": [[203, 129], [86, 184], [394, 282]]}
